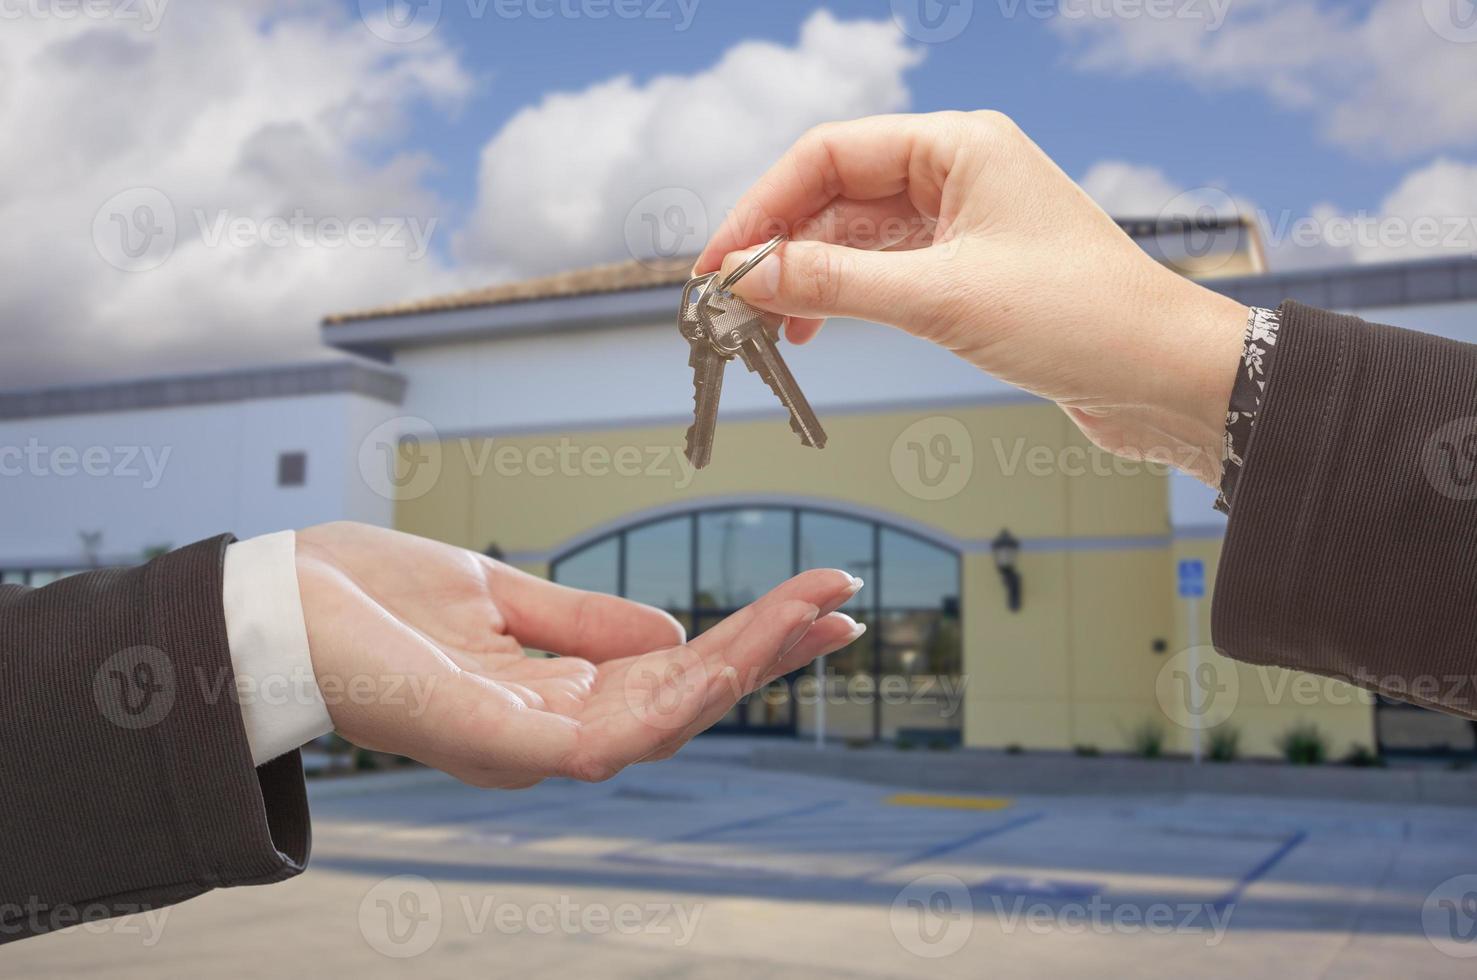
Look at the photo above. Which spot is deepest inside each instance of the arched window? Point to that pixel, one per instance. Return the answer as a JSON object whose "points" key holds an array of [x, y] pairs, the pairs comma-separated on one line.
{"points": [[901, 681]]}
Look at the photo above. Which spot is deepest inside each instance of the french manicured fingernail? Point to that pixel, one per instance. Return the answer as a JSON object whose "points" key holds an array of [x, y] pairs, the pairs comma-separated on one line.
{"points": [[798, 633], [844, 597]]}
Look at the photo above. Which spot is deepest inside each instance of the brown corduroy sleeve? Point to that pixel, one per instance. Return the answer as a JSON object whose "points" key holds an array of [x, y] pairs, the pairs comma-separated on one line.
{"points": [[1352, 546], [127, 778]]}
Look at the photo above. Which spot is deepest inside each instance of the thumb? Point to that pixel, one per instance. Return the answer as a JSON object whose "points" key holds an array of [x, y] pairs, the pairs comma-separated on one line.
{"points": [[816, 280]]}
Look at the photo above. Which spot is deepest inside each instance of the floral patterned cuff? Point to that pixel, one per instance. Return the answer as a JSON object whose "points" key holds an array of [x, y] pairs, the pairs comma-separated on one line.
{"points": [[1246, 398]]}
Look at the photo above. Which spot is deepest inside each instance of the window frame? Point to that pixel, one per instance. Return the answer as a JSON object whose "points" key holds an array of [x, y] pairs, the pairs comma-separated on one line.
{"points": [[874, 610]]}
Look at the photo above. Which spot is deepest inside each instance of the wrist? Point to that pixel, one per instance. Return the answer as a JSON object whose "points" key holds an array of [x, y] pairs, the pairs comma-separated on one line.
{"points": [[1202, 337]]}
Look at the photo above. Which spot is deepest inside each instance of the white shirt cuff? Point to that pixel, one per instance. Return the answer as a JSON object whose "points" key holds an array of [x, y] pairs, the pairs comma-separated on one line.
{"points": [[281, 704]]}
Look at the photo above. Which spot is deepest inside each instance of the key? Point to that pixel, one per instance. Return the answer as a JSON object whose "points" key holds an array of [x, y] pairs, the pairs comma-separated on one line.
{"points": [[707, 375], [719, 326], [736, 327]]}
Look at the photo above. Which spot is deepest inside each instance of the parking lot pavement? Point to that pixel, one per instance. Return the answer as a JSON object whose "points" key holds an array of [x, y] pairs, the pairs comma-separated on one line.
{"points": [[701, 867]]}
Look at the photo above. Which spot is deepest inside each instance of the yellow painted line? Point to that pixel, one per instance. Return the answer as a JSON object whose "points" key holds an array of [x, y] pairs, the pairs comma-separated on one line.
{"points": [[950, 802]]}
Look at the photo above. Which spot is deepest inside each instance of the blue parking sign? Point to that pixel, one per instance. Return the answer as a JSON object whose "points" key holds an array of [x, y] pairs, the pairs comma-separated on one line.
{"points": [[1192, 578]]}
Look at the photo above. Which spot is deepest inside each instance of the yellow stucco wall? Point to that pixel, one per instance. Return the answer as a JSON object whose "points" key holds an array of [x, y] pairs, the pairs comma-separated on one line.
{"points": [[1076, 666]]}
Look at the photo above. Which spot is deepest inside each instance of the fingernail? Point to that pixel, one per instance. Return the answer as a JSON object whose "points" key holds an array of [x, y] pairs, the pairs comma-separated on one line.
{"points": [[855, 626], [844, 597], [798, 633]]}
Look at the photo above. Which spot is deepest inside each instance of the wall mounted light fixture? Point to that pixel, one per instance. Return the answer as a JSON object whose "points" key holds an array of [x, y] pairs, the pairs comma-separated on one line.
{"points": [[1006, 549]]}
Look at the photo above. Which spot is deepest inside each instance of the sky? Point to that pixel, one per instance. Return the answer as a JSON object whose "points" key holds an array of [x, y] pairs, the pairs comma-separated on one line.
{"points": [[193, 186]]}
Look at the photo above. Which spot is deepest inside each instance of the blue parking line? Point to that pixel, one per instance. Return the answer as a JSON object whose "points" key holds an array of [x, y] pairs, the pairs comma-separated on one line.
{"points": [[631, 854], [949, 846], [1262, 867], [748, 822]]}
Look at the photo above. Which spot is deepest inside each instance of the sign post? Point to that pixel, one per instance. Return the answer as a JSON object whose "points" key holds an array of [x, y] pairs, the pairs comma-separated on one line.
{"points": [[820, 704], [1192, 590]]}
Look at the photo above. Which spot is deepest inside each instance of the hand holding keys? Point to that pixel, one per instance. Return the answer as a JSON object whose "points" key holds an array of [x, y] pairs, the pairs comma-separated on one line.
{"points": [[719, 325]]}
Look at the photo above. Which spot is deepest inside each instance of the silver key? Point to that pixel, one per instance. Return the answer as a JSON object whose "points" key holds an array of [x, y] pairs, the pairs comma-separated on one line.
{"points": [[736, 327], [707, 375]]}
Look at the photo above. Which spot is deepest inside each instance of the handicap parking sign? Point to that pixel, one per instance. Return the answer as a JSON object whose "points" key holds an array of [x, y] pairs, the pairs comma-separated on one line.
{"points": [[1192, 578]]}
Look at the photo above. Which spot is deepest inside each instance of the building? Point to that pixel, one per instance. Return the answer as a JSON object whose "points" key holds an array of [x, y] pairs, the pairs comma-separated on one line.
{"points": [[543, 422]]}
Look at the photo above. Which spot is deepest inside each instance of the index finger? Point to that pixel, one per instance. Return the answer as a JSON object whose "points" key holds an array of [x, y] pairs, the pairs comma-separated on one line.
{"points": [[864, 159]]}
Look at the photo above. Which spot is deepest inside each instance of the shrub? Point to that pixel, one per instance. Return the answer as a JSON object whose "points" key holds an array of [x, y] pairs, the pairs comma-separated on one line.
{"points": [[905, 745], [1148, 740], [1014, 748], [1225, 742], [1303, 745], [940, 745], [1361, 757], [1087, 751]]}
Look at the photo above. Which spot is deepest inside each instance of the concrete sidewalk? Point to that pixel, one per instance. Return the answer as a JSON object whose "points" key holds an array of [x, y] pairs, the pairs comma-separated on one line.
{"points": [[983, 771]]}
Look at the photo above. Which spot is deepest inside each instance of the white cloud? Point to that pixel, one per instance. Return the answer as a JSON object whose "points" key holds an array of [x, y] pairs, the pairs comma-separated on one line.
{"points": [[1432, 212], [1127, 190], [559, 183], [245, 111], [1396, 77], [290, 114]]}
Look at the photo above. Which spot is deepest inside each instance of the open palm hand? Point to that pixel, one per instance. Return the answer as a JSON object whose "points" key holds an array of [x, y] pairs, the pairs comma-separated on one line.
{"points": [[419, 649]]}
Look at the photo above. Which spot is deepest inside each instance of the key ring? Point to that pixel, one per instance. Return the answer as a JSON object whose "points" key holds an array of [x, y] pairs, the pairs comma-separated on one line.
{"points": [[751, 262], [701, 283]]}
